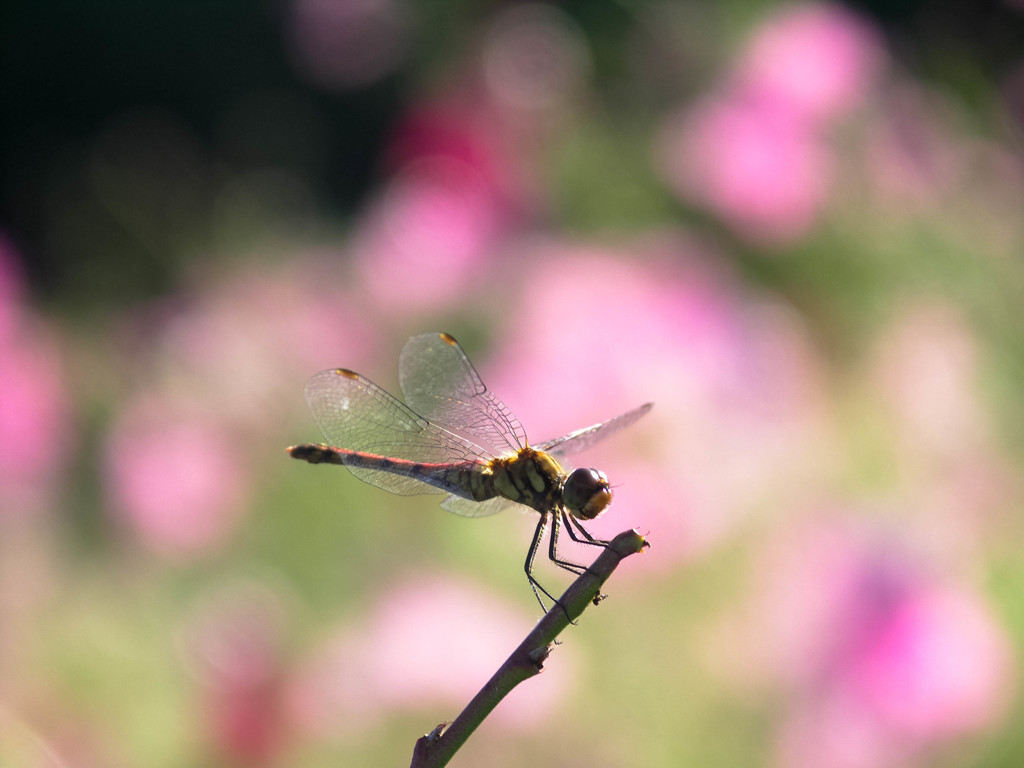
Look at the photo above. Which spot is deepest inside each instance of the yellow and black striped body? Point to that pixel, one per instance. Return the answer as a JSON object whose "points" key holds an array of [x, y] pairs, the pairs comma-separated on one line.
{"points": [[530, 477]]}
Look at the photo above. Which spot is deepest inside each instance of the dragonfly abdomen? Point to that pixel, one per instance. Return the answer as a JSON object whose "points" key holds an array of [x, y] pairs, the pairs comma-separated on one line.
{"points": [[458, 478]]}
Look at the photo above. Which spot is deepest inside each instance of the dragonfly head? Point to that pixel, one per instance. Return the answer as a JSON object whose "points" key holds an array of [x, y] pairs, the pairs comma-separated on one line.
{"points": [[586, 493]]}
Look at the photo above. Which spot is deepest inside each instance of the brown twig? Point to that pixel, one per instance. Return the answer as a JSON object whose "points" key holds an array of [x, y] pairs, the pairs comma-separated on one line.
{"points": [[439, 746]]}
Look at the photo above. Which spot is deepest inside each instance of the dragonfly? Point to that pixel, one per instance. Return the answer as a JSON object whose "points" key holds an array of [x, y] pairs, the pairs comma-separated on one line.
{"points": [[452, 435]]}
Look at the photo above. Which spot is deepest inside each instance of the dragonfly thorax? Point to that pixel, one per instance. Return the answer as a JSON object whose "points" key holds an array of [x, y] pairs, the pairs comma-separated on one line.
{"points": [[536, 479], [529, 477]]}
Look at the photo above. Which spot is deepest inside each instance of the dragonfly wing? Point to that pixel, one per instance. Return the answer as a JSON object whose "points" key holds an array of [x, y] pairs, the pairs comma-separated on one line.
{"points": [[439, 382], [584, 438], [466, 508], [357, 416]]}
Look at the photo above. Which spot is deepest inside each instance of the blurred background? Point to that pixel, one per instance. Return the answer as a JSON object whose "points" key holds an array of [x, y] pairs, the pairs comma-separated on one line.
{"points": [[798, 228]]}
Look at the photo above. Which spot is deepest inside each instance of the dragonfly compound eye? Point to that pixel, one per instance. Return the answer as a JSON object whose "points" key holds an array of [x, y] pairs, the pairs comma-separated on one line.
{"points": [[586, 493]]}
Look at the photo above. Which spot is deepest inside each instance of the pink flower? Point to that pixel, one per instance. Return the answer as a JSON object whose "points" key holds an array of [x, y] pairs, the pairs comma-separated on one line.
{"points": [[33, 403], [224, 366], [455, 190], [927, 381], [175, 479], [534, 58], [242, 345], [234, 647], [404, 656], [752, 161], [424, 241], [347, 44], [462, 132], [816, 58], [33, 419], [755, 152], [883, 661], [926, 371], [54, 728], [934, 666], [912, 154], [730, 374], [448, 130], [927, 666]]}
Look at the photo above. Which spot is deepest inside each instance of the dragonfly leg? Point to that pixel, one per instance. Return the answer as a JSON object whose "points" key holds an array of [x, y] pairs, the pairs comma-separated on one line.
{"points": [[568, 565], [573, 568], [571, 521], [535, 585]]}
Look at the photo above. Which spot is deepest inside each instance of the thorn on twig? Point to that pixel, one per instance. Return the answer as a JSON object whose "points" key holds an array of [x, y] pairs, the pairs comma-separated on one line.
{"points": [[435, 734], [539, 655], [425, 742]]}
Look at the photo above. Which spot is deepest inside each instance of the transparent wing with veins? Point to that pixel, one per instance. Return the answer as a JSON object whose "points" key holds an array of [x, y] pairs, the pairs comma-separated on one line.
{"points": [[357, 416], [440, 383], [584, 438]]}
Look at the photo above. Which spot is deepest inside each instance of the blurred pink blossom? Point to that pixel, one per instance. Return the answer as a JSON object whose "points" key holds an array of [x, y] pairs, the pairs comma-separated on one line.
{"points": [[733, 380], [234, 646], [883, 660], [991, 195], [347, 44], [34, 418], [175, 478], [935, 665], [461, 131], [457, 187], [55, 731], [534, 57], [926, 376], [403, 657], [445, 129], [818, 59], [756, 150], [756, 164], [911, 151], [242, 344], [222, 365], [926, 371], [427, 237]]}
